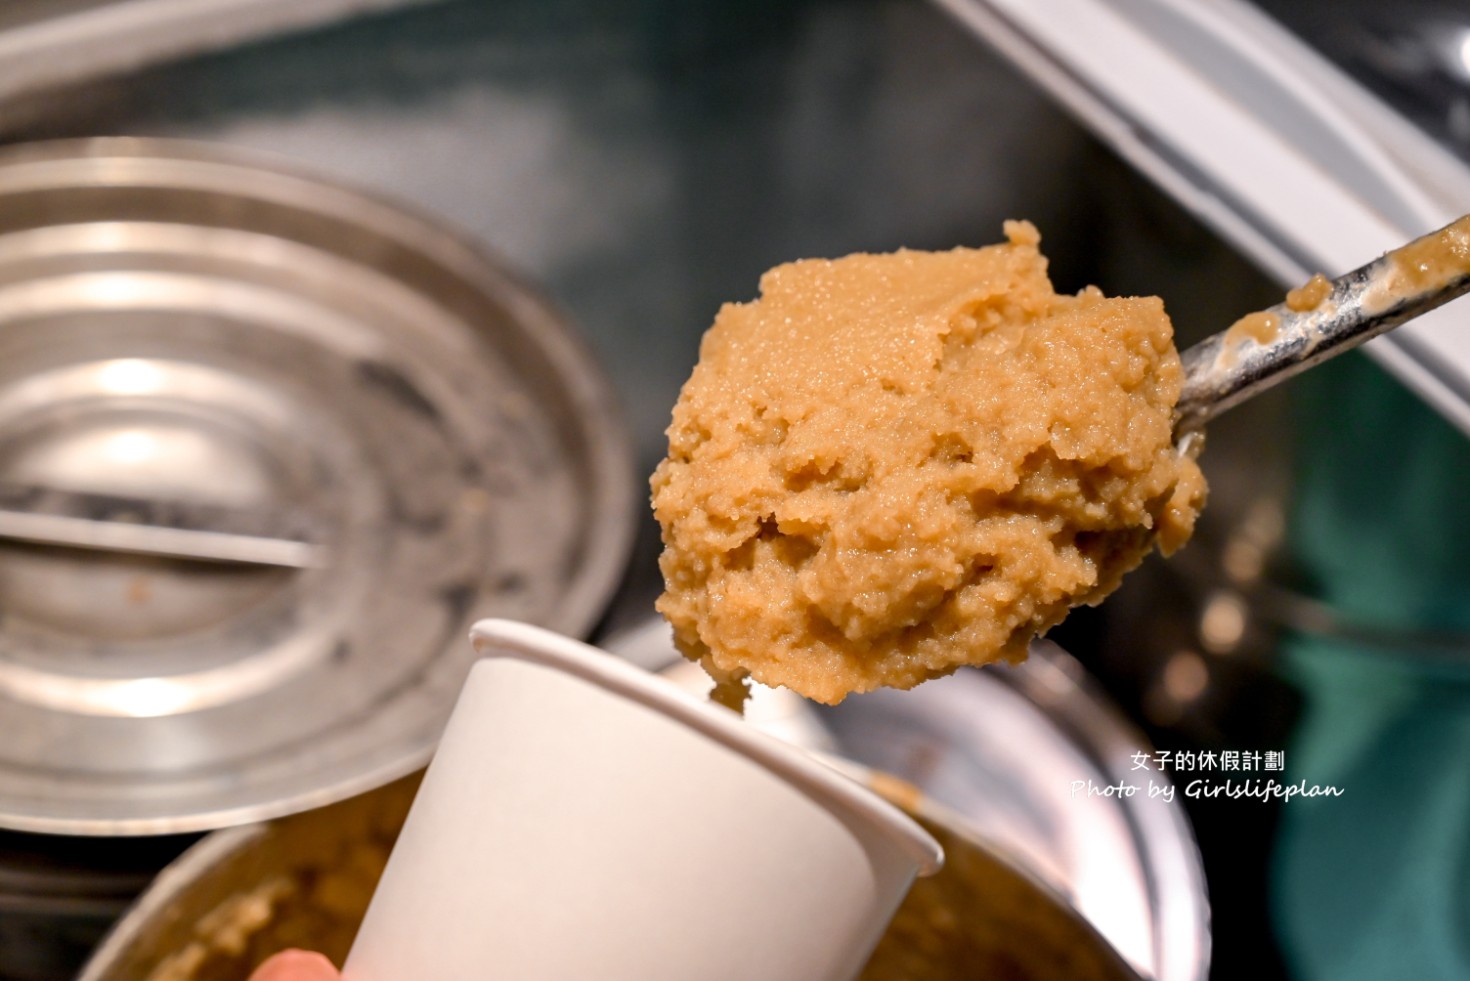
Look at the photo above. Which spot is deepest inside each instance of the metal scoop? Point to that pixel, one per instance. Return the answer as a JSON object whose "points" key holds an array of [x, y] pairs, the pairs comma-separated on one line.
{"points": [[1321, 320]]}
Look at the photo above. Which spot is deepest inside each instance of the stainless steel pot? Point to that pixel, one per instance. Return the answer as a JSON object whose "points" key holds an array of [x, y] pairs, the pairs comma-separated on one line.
{"points": [[305, 881]]}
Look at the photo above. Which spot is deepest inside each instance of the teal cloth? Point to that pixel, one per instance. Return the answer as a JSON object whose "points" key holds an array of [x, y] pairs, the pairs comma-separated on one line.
{"points": [[1376, 883]]}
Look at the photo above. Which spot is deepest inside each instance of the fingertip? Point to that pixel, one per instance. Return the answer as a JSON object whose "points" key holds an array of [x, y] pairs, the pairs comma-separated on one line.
{"points": [[296, 965]]}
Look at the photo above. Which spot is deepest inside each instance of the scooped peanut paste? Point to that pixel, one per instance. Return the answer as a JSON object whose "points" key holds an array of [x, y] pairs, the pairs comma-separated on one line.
{"points": [[889, 466]]}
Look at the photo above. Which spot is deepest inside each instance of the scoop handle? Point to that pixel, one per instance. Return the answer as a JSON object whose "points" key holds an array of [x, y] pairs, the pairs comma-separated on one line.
{"points": [[1271, 346]]}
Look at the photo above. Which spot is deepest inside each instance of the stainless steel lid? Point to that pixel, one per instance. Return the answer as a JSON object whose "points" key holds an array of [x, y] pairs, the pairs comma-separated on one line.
{"points": [[286, 443]]}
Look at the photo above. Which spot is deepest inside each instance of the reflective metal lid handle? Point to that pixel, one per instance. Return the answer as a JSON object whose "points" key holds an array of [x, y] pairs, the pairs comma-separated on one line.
{"points": [[171, 529]]}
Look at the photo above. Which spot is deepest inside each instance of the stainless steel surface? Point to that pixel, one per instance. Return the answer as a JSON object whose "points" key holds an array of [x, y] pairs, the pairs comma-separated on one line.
{"points": [[140, 526], [1226, 368], [179, 324], [1000, 748], [49, 44], [1415, 55]]}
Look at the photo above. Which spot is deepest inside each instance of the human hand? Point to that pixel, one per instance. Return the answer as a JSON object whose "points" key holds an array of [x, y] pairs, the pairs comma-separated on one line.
{"points": [[296, 965]]}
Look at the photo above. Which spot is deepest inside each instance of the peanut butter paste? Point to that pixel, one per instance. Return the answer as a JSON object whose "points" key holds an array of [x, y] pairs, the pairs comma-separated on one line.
{"points": [[1309, 295], [1259, 328], [1435, 260], [889, 466]]}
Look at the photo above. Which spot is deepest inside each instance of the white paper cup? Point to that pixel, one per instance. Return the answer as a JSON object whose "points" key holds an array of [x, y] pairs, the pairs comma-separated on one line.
{"points": [[584, 821]]}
